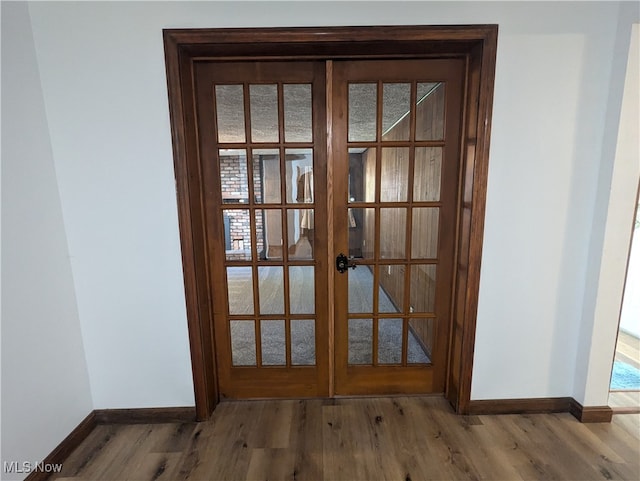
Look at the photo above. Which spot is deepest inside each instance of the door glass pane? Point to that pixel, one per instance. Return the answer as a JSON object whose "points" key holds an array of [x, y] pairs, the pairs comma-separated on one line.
{"points": [[393, 223], [396, 99], [299, 164], [362, 224], [269, 234], [360, 293], [430, 111], [230, 113], [263, 100], [243, 343], [303, 342], [273, 342], [424, 234], [389, 341], [360, 341], [423, 288], [271, 285], [297, 113], [391, 288], [300, 227], [421, 338], [239, 285], [394, 175], [302, 298], [233, 176], [266, 176], [362, 112], [237, 234], [362, 175], [426, 176]]}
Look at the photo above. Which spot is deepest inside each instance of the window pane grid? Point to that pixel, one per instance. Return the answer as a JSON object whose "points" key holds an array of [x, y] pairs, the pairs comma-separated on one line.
{"points": [[390, 341], [273, 125], [407, 199]]}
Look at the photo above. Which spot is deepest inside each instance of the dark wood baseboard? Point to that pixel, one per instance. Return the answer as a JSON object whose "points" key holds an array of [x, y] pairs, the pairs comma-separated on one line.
{"points": [[146, 415], [64, 449], [588, 414], [521, 406]]}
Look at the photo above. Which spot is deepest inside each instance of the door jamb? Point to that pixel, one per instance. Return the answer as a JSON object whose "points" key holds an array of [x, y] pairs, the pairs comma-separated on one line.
{"points": [[477, 44]]}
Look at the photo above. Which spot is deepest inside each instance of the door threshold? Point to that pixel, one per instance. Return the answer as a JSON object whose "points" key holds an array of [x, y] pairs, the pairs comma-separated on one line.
{"points": [[335, 397]]}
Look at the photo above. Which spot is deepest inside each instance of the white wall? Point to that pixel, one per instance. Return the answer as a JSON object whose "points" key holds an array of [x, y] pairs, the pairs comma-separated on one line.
{"points": [[628, 150], [45, 384], [102, 71], [611, 231], [103, 77]]}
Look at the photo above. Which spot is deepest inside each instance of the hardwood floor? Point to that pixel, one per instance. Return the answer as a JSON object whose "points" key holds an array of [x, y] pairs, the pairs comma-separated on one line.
{"points": [[627, 351], [625, 401], [403, 438]]}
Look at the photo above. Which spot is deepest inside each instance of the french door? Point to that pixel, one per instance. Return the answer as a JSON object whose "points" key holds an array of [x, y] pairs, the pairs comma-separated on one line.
{"points": [[330, 213], [396, 127], [262, 135]]}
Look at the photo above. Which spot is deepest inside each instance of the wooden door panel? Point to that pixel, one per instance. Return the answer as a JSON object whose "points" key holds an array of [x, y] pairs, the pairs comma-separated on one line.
{"points": [[263, 165], [396, 136], [395, 197]]}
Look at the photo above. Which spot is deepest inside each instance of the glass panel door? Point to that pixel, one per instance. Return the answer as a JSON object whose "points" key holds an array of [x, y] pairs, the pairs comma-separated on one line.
{"points": [[262, 141], [262, 130], [394, 202]]}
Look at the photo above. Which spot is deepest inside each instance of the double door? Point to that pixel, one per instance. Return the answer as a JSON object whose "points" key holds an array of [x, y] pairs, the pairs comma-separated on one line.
{"points": [[330, 193]]}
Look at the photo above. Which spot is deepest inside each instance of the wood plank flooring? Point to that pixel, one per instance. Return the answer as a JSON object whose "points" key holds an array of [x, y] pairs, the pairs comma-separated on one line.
{"points": [[403, 438], [628, 349]]}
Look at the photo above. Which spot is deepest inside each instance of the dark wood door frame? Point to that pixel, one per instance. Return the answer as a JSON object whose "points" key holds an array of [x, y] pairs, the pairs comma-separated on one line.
{"points": [[476, 44]]}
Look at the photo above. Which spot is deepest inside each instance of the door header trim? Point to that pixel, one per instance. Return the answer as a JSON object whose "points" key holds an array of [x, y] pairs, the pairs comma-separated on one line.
{"points": [[330, 42]]}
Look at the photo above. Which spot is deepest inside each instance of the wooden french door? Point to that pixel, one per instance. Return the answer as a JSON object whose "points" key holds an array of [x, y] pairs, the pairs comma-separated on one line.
{"points": [[263, 144], [396, 136], [269, 207]]}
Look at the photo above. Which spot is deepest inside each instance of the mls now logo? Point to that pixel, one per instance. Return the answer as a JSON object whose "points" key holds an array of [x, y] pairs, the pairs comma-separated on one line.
{"points": [[27, 467]]}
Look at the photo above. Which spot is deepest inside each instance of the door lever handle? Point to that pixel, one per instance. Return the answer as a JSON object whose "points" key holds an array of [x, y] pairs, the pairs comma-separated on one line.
{"points": [[342, 263]]}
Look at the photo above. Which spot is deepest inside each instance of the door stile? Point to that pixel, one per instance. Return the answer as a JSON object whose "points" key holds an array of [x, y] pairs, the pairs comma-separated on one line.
{"points": [[331, 254], [338, 185], [208, 173], [323, 186]]}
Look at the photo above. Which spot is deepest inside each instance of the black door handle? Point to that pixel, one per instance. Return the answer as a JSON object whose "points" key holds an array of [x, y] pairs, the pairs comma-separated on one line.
{"points": [[342, 263]]}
